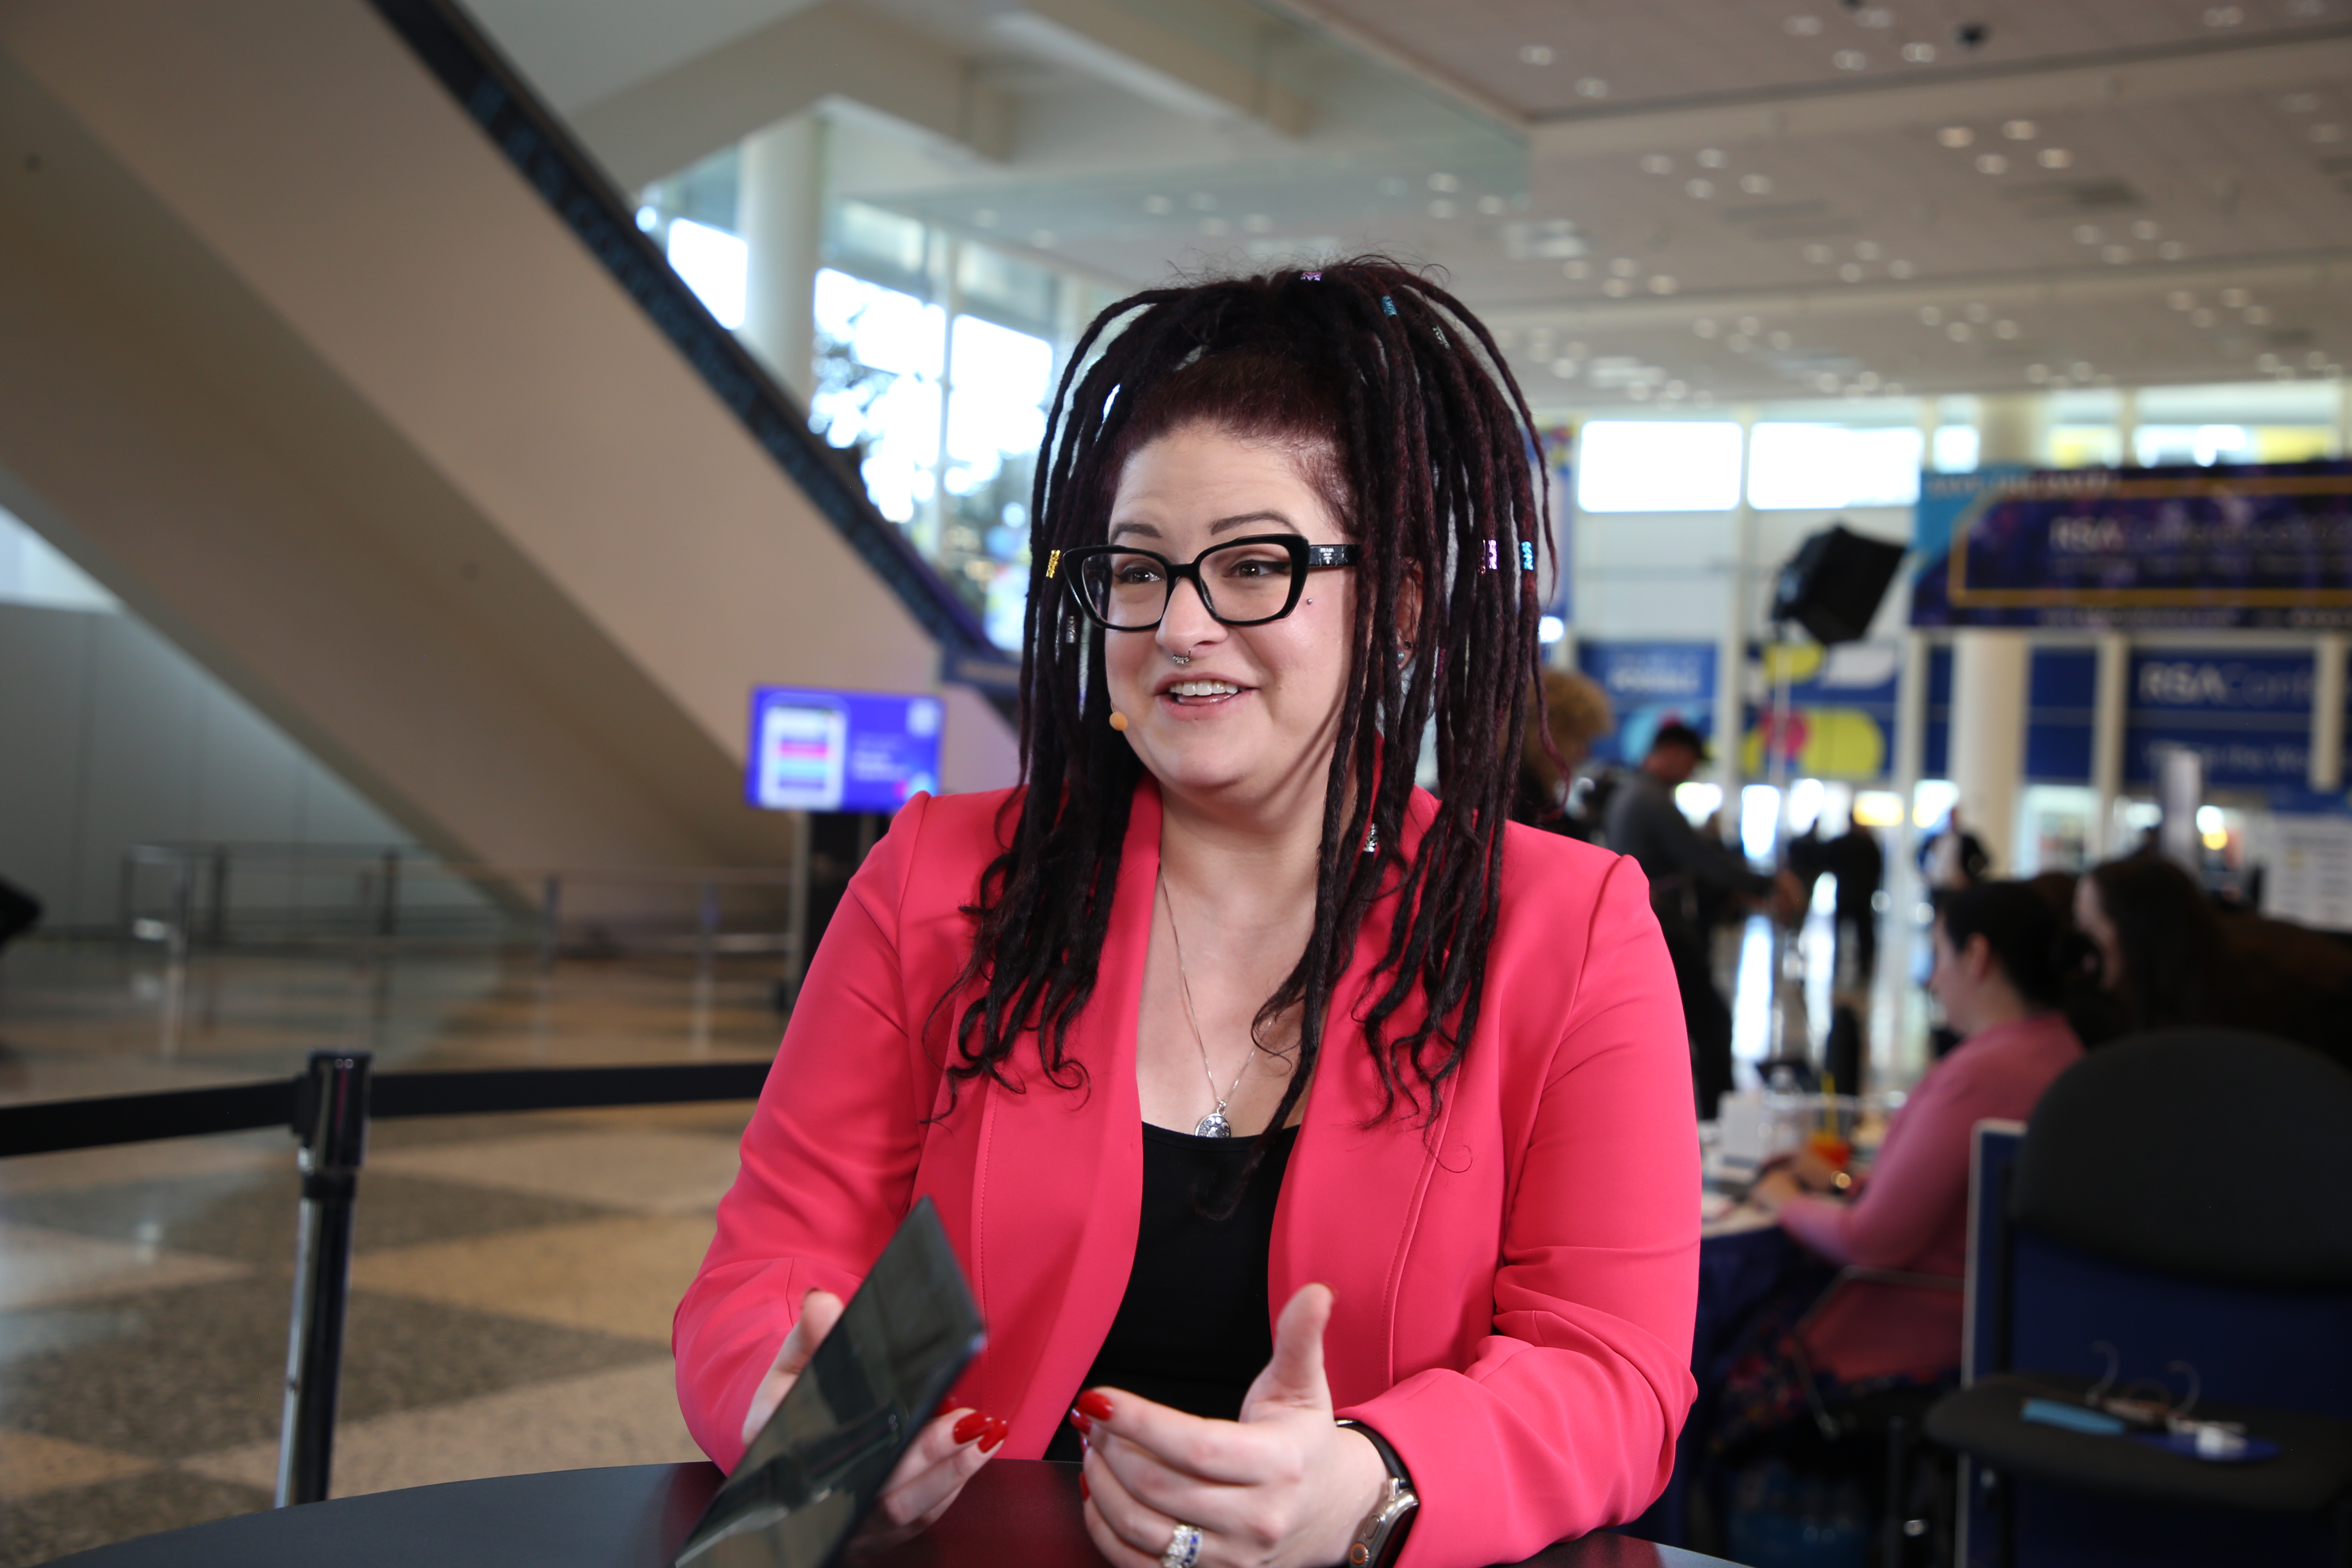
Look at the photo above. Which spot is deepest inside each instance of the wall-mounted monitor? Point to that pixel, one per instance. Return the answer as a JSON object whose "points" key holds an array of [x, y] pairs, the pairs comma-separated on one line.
{"points": [[841, 751]]}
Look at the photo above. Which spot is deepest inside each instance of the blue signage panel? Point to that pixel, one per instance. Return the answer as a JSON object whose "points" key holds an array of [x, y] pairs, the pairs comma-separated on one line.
{"points": [[841, 751], [2249, 714], [1650, 684], [1841, 709], [2247, 546]]}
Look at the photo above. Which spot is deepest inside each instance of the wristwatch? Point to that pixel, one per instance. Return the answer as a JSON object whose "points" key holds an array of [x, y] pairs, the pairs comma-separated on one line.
{"points": [[1382, 1535]]}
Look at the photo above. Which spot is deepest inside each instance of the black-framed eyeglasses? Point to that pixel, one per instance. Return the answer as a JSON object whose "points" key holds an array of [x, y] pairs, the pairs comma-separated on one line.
{"points": [[1242, 583]]}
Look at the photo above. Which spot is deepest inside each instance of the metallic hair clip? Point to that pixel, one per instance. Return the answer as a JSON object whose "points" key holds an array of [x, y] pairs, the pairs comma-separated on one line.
{"points": [[1388, 306], [1310, 277], [1491, 554], [1526, 555], [1052, 561]]}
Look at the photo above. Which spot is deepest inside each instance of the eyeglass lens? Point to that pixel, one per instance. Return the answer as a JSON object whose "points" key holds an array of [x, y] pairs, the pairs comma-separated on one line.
{"points": [[1243, 582]]}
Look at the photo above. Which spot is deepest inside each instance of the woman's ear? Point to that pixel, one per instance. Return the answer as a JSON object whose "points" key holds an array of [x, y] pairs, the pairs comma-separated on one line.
{"points": [[1408, 621], [1978, 958]]}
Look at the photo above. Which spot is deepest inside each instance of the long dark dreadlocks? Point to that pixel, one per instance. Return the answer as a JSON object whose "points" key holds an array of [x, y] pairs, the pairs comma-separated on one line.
{"points": [[1400, 408]]}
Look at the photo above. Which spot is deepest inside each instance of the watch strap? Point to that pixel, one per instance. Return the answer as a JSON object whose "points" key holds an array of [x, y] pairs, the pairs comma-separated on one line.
{"points": [[1382, 1536]]}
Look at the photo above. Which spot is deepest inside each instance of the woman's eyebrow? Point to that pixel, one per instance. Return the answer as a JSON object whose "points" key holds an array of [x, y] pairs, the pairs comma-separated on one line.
{"points": [[1145, 529], [1223, 524]]}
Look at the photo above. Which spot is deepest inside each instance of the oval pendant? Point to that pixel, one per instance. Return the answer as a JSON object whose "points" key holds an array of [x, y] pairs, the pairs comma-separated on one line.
{"points": [[1213, 1125]]}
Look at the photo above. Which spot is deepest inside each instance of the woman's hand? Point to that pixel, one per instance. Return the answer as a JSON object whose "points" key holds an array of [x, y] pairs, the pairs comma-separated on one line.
{"points": [[1281, 1487], [929, 1476]]}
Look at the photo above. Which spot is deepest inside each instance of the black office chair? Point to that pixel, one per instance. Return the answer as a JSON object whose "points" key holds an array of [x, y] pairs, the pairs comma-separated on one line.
{"points": [[2179, 1201]]}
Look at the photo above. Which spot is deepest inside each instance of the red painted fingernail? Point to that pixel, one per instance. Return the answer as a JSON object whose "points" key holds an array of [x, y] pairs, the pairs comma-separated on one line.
{"points": [[970, 1426], [1085, 1426], [997, 1432], [1094, 1403]]}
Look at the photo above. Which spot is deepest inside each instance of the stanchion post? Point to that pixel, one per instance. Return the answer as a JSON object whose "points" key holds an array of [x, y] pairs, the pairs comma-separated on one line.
{"points": [[330, 1117], [175, 952]]}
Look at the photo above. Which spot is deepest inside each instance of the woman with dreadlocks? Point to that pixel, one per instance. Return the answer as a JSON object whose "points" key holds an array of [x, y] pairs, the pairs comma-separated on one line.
{"points": [[1320, 1150]]}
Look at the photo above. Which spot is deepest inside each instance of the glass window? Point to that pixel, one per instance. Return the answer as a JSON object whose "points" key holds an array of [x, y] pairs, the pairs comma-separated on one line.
{"points": [[1823, 466], [1956, 448], [32, 572], [714, 264], [880, 357], [1633, 465]]}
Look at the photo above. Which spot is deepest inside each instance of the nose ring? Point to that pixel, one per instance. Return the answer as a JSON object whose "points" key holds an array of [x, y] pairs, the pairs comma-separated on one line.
{"points": [[1182, 658]]}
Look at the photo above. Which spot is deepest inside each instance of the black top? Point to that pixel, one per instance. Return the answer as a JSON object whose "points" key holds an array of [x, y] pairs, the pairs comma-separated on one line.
{"points": [[1193, 1330]]}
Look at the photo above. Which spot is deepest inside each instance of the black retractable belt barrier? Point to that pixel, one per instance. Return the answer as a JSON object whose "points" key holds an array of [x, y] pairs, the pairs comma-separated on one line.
{"points": [[329, 1109], [331, 1120]]}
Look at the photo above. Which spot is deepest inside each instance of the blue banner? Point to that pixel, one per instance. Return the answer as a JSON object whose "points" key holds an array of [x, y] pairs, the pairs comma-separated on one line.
{"points": [[1841, 709], [2222, 546], [1650, 684], [2247, 715]]}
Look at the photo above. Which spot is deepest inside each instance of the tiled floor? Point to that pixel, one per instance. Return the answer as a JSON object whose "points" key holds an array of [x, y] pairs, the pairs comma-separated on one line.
{"points": [[513, 1277]]}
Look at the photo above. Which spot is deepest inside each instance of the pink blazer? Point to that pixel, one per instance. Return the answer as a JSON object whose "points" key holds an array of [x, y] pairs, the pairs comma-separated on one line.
{"points": [[1515, 1287]]}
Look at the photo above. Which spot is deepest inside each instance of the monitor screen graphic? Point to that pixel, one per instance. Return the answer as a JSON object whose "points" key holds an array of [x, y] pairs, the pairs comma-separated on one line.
{"points": [[841, 751]]}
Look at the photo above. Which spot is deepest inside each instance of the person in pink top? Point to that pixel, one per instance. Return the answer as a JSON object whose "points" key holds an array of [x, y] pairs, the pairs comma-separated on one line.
{"points": [[1320, 1150], [2002, 955]]}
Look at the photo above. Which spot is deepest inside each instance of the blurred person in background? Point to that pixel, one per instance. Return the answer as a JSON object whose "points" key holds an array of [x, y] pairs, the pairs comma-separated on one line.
{"points": [[1575, 714], [2003, 953], [1952, 857], [1688, 871], [19, 911], [2166, 957], [1856, 863]]}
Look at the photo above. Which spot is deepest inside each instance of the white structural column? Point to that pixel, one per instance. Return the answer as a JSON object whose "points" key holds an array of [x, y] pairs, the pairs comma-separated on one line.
{"points": [[2328, 712], [1990, 667], [780, 207], [1731, 647], [2112, 702]]}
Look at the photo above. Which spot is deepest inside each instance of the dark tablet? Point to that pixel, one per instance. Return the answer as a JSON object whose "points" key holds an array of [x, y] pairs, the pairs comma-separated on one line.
{"points": [[817, 1465]]}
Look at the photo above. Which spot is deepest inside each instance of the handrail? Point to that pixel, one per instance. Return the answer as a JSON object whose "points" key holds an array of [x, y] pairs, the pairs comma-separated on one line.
{"points": [[494, 94], [328, 1108]]}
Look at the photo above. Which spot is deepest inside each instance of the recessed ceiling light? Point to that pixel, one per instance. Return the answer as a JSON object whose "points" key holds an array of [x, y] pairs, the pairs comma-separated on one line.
{"points": [[1898, 267], [1876, 17], [2315, 360], [2181, 299], [1750, 325], [1257, 222], [1803, 27], [1819, 254], [2037, 373], [1867, 380], [2172, 250], [1441, 182], [1713, 158], [1616, 288], [1493, 207], [1565, 369], [1592, 87], [2080, 370], [2020, 130], [1849, 60], [1756, 184], [2258, 315], [1866, 250], [1624, 267], [2086, 234], [2225, 16], [1958, 331], [1662, 284], [1578, 270], [1158, 205], [1702, 189], [1781, 340], [1919, 54], [1980, 313], [1893, 389], [1658, 164], [1956, 136], [1535, 54], [1705, 326], [2266, 361], [1991, 163], [2116, 255], [2004, 330], [2143, 229], [1827, 381], [2236, 299], [2054, 158], [1851, 272], [1930, 316]]}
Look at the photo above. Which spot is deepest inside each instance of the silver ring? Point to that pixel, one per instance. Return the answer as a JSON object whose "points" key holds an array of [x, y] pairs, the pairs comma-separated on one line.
{"points": [[1184, 1547], [1182, 658]]}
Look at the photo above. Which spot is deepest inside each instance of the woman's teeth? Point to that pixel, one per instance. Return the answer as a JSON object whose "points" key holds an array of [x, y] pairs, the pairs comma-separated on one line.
{"points": [[1203, 689]]}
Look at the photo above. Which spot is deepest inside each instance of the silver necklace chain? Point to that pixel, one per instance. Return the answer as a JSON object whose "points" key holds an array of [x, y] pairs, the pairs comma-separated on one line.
{"points": [[1214, 1125]]}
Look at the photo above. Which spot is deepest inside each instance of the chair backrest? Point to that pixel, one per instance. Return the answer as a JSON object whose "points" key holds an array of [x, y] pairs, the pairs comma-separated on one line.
{"points": [[2212, 1154]]}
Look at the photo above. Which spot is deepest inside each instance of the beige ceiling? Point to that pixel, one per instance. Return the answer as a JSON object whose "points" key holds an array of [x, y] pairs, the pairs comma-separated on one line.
{"points": [[1670, 201]]}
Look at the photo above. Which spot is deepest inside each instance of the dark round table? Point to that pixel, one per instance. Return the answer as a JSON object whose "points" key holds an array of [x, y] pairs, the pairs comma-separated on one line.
{"points": [[1022, 1511]]}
